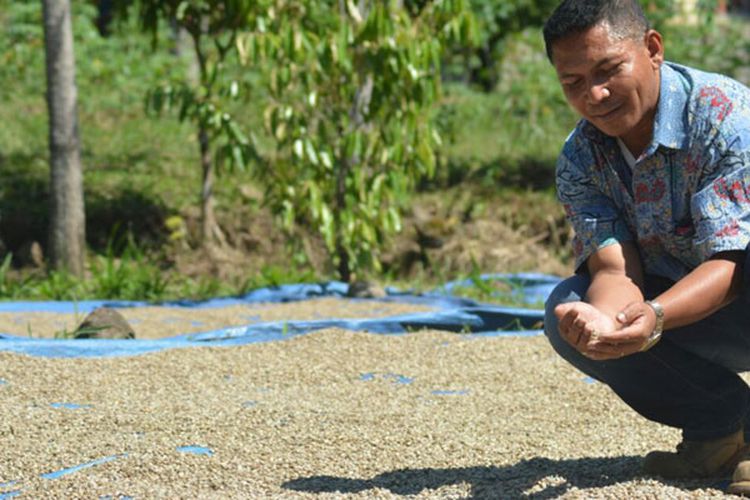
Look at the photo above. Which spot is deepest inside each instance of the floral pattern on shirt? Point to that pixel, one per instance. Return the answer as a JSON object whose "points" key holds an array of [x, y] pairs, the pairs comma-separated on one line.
{"points": [[688, 196]]}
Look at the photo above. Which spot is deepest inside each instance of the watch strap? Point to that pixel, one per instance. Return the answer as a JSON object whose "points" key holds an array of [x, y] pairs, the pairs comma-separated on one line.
{"points": [[655, 336]]}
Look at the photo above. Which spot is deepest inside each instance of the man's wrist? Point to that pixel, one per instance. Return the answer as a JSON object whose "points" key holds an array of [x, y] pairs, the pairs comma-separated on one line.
{"points": [[655, 336]]}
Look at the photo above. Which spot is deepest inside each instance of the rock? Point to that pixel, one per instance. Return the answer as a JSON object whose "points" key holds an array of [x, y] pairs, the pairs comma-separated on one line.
{"points": [[433, 232], [31, 254], [365, 290], [426, 240], [104, 323]]}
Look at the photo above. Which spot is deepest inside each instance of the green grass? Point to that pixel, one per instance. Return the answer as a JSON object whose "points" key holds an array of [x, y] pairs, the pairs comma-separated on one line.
{"points": [[511, 137], [132, 277]]}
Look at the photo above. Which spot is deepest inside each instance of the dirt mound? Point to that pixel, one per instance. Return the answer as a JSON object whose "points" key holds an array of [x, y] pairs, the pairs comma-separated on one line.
{"points": [[446, 235]]}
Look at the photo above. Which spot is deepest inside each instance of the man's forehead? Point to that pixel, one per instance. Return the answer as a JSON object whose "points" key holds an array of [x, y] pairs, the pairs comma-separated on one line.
{"points": [[596, 45]]}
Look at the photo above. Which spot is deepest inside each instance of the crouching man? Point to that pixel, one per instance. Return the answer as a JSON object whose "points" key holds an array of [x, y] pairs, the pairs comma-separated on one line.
{"points": [[655, 181]]}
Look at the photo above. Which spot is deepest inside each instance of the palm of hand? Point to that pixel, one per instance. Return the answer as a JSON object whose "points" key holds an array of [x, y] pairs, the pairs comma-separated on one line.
{"points": [[597, 320], [586, 316]]}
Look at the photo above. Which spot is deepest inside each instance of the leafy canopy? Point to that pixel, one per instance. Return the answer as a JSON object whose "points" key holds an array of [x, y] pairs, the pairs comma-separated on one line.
{"points": [[352, 91]]}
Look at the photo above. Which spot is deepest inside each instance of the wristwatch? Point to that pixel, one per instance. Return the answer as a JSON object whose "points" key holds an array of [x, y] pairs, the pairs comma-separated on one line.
{"points": [[655, 336]]}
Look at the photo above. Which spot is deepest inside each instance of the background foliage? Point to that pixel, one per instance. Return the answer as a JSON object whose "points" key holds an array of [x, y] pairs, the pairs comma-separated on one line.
{"points": [[351, 94], [142, 186]]}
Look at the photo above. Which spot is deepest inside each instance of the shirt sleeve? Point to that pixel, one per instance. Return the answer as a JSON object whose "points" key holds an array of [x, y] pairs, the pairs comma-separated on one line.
{"points": [[596, 220], [721, 205]]}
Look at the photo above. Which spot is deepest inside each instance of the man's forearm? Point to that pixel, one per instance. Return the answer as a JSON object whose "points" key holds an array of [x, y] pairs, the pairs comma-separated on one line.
{"points": [[708, 288], [616, 278], [610, 292]]}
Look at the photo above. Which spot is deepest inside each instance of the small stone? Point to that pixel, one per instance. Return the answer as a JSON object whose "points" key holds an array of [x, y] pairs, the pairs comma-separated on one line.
{"points": [[104, 323], [365, 290]]}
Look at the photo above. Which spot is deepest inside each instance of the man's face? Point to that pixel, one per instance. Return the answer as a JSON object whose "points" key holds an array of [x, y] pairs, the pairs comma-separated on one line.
{"points": [[613, 82]]}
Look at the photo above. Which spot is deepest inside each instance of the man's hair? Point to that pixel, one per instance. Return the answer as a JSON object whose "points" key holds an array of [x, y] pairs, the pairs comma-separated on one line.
{"points": [[625, 18]]}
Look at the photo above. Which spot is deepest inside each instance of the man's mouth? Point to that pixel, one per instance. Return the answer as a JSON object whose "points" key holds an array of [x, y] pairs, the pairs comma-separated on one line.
{"points": [[607, 114]]}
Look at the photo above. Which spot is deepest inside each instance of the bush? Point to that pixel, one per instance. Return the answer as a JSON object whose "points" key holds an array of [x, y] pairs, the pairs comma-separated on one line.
{"points": [[722, 47], [511, 136]]}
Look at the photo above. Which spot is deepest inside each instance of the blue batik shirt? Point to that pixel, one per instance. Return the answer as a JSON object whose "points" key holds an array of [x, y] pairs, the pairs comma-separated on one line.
{"points": [[687, 196]]}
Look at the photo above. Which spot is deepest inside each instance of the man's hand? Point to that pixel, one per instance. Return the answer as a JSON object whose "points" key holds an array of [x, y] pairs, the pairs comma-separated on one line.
{"points": [[635, 324], [581, 324]]}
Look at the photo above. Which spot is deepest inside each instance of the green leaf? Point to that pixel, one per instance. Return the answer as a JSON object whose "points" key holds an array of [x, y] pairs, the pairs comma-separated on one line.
{"points": [[236, 133], [327, 227], [287, 209], [238, 157], [298, 148], [426, 156], [310, 151], [325, 159], [182, 7], [280, 132], [316, 202], [354, 11], [395, 218]]}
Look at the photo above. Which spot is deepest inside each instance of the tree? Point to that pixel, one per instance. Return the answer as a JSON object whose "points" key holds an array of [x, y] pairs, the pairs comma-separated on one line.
{"points": [[106, 9], [213, 26], [497, 20], [352, 86], [67, 231]]}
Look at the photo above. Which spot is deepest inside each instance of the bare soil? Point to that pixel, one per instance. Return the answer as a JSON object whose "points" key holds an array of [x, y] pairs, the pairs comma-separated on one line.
{"points": [[446, 235]]}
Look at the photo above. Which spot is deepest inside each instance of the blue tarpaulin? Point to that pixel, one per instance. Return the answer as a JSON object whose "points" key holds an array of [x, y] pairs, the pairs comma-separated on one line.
{"points": [[451, 313]]}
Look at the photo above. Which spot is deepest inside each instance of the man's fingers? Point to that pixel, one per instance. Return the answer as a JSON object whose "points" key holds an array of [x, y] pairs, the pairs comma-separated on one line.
{"points": [[578, 338], [566, 322], [632, 333], [573, 335], [629, 313], [562, 309]]}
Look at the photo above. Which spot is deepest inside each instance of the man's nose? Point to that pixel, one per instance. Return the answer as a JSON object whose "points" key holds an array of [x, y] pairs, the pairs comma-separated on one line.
{"points": [[598, 93]]}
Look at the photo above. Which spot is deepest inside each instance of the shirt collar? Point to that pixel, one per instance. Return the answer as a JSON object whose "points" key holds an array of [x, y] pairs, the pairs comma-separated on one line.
{"points": [[670, 120], [670, 124]]}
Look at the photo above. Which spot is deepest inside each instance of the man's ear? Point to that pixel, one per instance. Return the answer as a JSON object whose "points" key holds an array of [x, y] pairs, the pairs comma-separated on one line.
{"points": [[655, 47]]}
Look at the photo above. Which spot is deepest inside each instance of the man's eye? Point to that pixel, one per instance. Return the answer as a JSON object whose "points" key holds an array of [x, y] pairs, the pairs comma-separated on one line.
{"points": [[613, 70], [572, 84]]}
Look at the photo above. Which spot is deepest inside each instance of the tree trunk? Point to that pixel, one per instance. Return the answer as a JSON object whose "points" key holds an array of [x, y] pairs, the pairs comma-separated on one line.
{"points": [[211, 231], [105, 17], [182, 47], [485, 74], [360, 108], [67, 230]]}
